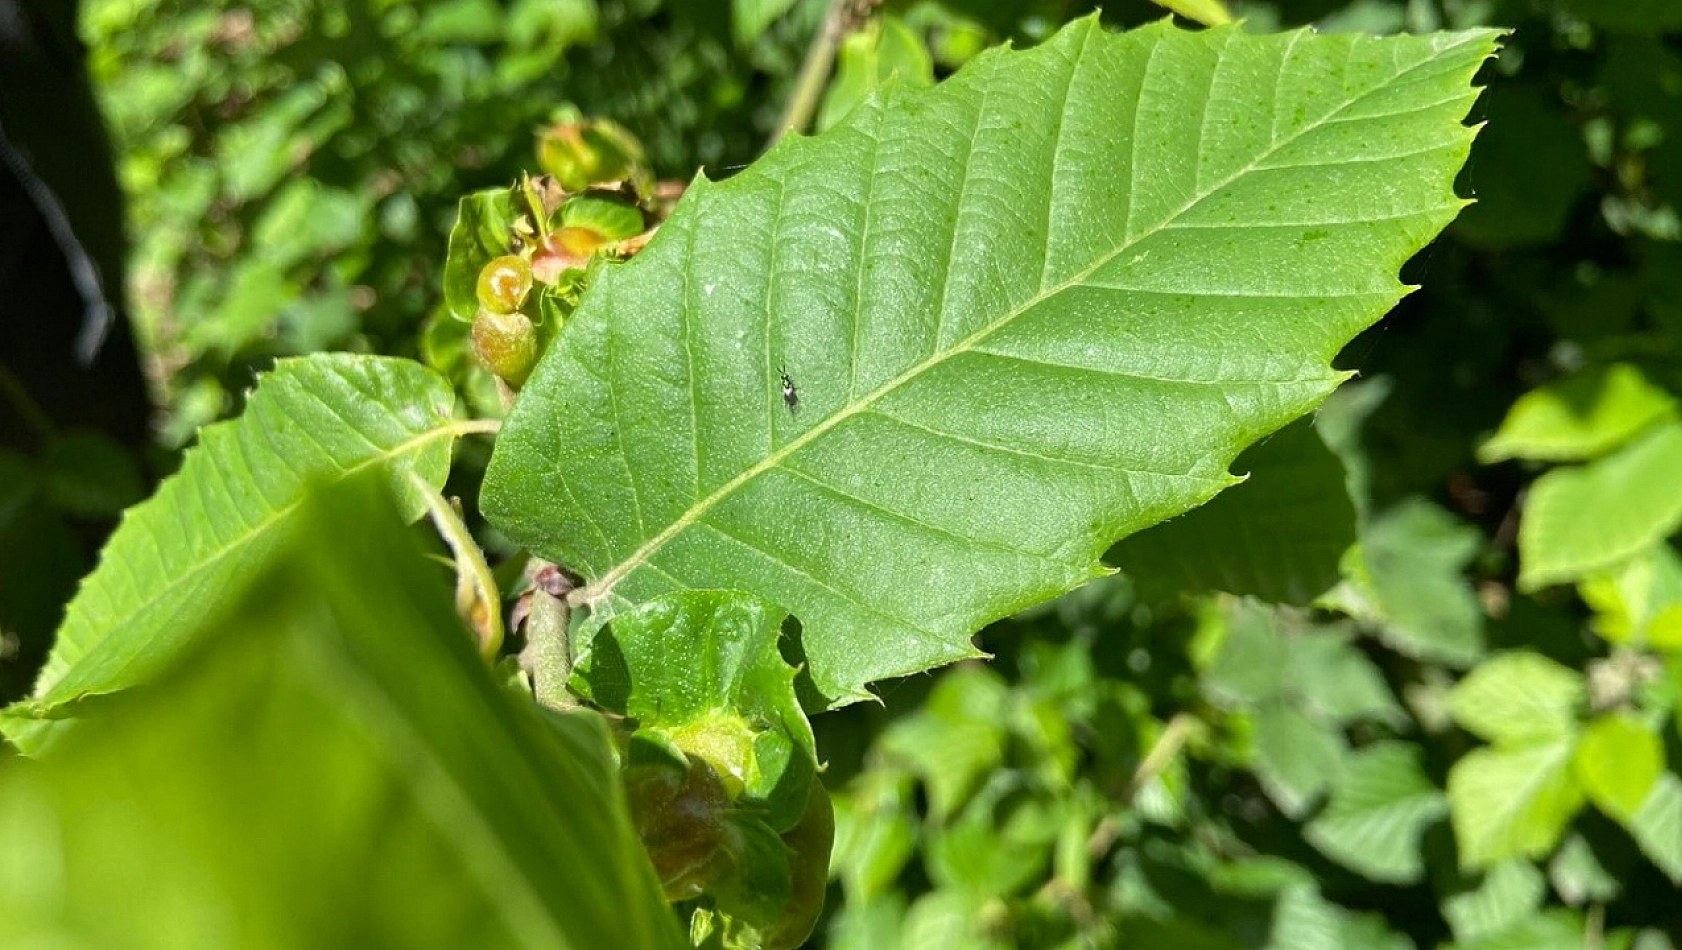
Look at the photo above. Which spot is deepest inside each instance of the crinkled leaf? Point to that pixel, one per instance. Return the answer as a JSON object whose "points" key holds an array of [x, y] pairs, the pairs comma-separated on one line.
{"points": [[1510, 892], [331, 766], [175, 557], [1279, 536], [1657, 826], [1407, 579], [1519, 697], [1619, 758], [1580, 417], [1512, 802], [1584, 518], [1380, 806], [484, 229], [1023, 314], [702, 670]]}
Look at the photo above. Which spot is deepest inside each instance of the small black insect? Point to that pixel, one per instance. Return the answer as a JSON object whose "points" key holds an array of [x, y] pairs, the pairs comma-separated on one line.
{"points": [[790, 396]]}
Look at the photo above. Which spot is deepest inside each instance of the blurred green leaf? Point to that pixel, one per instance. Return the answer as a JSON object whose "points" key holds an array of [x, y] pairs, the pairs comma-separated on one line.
{"points": [[1578, 876], [1580, 417], [1528, 169], [1549, 930], [168, 567], [331, 766], [1519, 697], [1618, 760], [1510, 892], [1512, 801], [1583, 518], [1380, 805], [875, 834], [750, 18], [1407, 579], [955, 739], [1296, 758], [1278, 536], [1657, 826], [884, 49], [1639, 602], [89, 474]]}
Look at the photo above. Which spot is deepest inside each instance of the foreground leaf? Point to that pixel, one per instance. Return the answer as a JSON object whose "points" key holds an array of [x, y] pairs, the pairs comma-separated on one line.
{"points": [[333, 766], [1023, 314], [174, 559]]}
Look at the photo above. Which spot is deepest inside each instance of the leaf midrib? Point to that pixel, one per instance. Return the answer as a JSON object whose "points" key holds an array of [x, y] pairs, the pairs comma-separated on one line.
{"points": [[44, 696], [593, 593]]}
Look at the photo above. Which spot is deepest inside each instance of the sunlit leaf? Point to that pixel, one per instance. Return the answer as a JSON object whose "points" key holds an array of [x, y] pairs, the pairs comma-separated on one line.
{"points": [[1022, 315]]}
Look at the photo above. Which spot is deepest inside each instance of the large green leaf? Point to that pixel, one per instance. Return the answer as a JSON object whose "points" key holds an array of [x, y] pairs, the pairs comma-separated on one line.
{"points": [[1380, 806], [1589, 517], [1023, 314], [175, 557], [332, 765]]}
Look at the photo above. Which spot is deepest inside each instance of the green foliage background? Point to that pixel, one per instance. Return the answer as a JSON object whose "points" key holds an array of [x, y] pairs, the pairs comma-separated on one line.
{"points": [[1415, 684]]}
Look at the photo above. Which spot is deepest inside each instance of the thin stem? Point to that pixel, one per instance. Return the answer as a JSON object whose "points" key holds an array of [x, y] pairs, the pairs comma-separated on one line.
{"points": [[842, 17], [547, 657], [477, 598], [1166, 748]]}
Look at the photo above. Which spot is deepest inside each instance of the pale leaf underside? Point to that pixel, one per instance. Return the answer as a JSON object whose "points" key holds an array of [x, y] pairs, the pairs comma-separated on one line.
{"points": [[1025, 313]]}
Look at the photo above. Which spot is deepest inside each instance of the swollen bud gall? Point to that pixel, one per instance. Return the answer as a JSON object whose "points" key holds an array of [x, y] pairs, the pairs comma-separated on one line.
{"points": [[504, 283], [505, 344]]}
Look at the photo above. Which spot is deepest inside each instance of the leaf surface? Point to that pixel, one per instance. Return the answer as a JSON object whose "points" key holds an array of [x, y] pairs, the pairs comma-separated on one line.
{"points": [[174, 559], [1022, 314]]}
